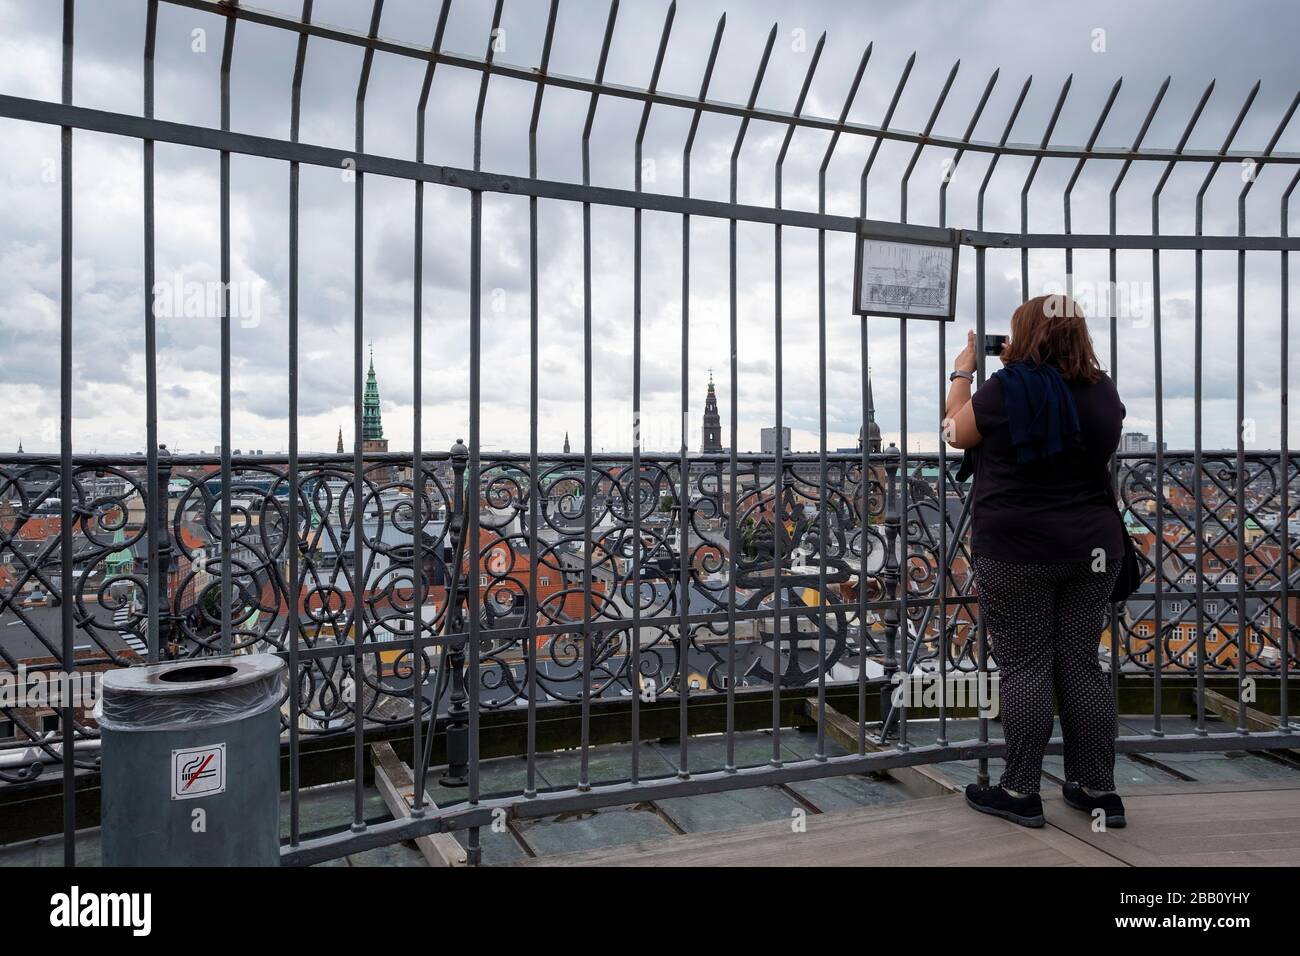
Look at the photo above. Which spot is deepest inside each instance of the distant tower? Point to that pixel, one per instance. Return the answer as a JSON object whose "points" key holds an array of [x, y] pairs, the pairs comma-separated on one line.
{"points": [[712, 440], [566, 443], [372, 429], [339, 449], [873, 430], [20, 446]]}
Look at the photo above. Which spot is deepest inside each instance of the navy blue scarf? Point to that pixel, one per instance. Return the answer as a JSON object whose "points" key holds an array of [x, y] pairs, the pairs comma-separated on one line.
{"points": [[1041, 413]]}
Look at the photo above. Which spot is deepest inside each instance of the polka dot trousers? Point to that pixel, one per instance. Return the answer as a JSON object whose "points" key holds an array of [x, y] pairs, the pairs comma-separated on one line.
{"points": [[1044, 622]]}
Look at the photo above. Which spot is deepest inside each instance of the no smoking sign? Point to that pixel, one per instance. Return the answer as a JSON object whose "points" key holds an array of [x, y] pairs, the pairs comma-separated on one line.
{"points": [[198, 772]]}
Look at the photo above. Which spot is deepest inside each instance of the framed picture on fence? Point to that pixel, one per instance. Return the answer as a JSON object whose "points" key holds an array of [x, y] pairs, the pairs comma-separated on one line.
{"points": [[907, 277]]}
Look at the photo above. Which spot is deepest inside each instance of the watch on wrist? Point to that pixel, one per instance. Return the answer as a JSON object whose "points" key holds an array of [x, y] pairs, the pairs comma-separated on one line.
{"points": [[958, 373]]}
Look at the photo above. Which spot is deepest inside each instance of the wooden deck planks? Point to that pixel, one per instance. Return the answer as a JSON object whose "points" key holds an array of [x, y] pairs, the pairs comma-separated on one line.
{"points": [[1180, 824], [935, 831], [1194, 824]]}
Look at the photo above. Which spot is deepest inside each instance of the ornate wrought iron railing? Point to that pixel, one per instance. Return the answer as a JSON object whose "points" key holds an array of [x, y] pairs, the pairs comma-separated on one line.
{"points": [[467, 582]]}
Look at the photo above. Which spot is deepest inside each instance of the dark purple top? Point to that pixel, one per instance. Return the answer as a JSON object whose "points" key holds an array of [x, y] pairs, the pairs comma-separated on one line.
{"points": [[1054, 509]]}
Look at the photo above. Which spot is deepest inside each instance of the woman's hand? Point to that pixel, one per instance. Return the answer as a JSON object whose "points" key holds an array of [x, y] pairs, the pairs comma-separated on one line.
{"points": [[958, 426], [965, 361]]}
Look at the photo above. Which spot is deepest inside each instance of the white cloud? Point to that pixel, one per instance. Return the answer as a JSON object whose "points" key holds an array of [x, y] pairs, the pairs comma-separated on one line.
{"points": [[108, 284]]}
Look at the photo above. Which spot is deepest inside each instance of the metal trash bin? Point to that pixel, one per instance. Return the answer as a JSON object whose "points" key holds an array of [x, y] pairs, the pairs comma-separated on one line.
{"points": [[190, 768]]}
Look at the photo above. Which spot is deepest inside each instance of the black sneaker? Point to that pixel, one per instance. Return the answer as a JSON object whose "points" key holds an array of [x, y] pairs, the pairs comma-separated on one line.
{"points": [[1026, 810], [1080, 799]]}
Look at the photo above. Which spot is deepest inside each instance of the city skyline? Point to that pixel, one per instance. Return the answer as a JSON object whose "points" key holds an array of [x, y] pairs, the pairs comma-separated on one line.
{"points": [[109, 302]]}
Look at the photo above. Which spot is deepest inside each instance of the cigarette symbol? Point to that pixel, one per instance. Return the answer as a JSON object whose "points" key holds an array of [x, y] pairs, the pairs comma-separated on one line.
{"points": [[190, 772]]}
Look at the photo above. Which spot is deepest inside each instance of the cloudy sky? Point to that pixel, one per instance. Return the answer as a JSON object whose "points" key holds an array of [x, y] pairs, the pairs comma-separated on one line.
{"points": [[1193, 42]]}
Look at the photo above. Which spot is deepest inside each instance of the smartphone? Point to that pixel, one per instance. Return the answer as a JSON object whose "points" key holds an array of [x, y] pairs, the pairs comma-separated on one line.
{"points": [[993, 344]]}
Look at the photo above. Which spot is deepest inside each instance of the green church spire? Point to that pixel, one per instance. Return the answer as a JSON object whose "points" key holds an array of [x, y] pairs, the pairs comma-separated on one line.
{"points": [[372, 428]]}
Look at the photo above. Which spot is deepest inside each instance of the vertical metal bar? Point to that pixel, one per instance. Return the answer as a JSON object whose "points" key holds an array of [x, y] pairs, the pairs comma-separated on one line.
{"points": [[1158, 359], [1137, 142], [1198, 472], [864, 539], [418, 518], [957, 157], [823, 493], [634, 674], [878, 141], [1197, 462], [584, 767], [683, 549], [734, 539], [945, 560], [981, 630], [823, 497], [778, 518], [1159, 549], [155, 507], [1113, 612], [1242, 725], [1112, 267], [1029, 181], [227, 585], [1074, 178], [684, 541], [1284, 598], [359, 571], [993, 163], [864, 333], [916, 152], [534, 466], [945, 569], [864, 481], [902, 331], [904, 579], [473, 850], [1241, 348], [1159, 610], [294, 591], [778, 484], [67, 582], [1239, 512]]}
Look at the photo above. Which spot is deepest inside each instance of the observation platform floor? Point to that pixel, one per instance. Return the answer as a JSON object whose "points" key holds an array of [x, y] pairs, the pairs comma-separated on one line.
{"points": [[1211, 808], [1179, 824]]}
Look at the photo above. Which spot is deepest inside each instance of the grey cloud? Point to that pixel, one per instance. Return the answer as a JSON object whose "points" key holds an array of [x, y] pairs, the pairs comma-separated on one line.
{"points": [[1047, 41]]}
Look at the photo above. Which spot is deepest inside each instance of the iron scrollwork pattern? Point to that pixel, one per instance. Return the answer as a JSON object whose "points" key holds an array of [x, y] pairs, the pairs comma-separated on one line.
{"points": [[540, 583]]}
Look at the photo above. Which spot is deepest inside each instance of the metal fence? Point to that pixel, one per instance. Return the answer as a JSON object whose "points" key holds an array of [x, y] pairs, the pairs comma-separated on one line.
{"points": [[449, 584]]}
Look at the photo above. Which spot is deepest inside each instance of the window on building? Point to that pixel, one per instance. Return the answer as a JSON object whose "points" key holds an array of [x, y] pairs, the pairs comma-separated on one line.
{"points": [[50, 724], [6, 729]]}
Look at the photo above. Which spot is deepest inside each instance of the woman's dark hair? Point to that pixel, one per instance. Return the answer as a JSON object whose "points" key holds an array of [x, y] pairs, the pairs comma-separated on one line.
{"points": [[1052, 330]]}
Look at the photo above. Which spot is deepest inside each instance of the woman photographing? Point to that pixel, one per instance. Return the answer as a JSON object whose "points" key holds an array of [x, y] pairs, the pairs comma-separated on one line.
{"points": [[1048, 544]]}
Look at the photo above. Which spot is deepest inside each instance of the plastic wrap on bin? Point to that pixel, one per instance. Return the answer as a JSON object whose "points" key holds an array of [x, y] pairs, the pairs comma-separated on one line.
{"points": [[190, 762], [210, 690]]}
